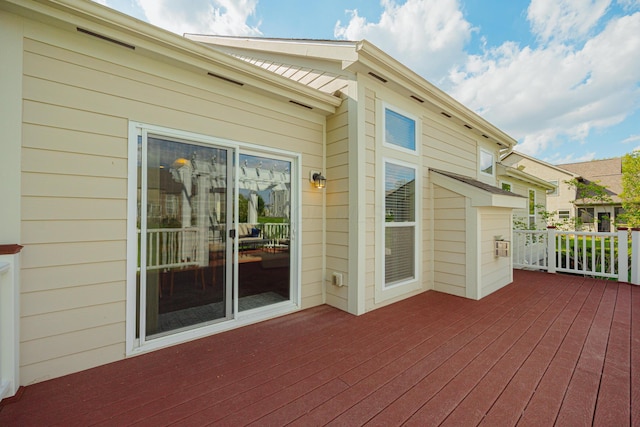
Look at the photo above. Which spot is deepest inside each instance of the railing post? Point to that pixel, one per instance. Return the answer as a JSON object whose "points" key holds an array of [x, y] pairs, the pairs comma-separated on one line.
{"points": [[9, 320], [623, 254], [551, 249], [635, 256]]}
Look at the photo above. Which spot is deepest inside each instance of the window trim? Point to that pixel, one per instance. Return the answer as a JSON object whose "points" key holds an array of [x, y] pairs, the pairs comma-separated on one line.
{"points": [[385, 143], [413, 224], [493, 162], [586, 209]]}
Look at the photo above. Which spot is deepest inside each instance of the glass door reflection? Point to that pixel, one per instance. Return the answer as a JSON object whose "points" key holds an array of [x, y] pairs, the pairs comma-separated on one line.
{"points": [[183, 216], [263, 230]]}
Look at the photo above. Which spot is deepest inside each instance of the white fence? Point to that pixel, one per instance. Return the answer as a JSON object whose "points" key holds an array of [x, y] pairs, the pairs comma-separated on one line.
{"points": [[613, 255]]}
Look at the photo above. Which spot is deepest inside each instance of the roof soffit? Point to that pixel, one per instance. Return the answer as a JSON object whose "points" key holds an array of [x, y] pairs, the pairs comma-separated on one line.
{"points": [[541, 163], [364, 57], [318, 49], [405, 81], [152, 41], [514, 173]]}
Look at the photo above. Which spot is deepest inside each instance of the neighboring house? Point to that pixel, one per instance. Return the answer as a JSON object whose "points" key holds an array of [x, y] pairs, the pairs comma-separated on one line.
{"points": [[595, 214], [125, 150], [564, 201], [534, 189]]}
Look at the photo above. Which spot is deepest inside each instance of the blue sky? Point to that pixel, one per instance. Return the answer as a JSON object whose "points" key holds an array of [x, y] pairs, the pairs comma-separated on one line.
{"points": [[560, 76]]}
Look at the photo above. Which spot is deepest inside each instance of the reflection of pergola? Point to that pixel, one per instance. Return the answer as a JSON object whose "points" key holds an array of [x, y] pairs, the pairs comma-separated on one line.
{"points": [[202, 185], [258, 179]]}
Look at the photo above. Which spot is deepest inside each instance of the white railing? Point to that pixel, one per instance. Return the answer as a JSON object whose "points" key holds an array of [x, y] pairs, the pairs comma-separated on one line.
{"points": [[593, 254], [10, 323], [275, 233], [179, 247], [529, 249], [171, 247]]}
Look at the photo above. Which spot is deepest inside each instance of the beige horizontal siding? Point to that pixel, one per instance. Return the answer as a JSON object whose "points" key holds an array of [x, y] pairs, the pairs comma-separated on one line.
{"points": [[448, 149], [58, 208], [63, 276], [79, 96], [496, 271], [70, 363], [337, 208], [449, 256]]}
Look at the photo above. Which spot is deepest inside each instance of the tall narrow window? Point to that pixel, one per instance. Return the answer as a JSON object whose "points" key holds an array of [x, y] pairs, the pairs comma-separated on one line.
{"points": [[400, 223], [532, 209], [399, 130]]}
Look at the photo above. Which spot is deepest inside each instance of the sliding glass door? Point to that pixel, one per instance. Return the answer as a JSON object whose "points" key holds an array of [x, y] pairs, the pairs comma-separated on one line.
{"points": [[185, 209], [213, 230], [264, 231]]}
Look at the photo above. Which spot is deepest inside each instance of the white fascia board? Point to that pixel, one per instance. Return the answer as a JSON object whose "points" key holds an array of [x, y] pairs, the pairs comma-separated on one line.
{"points": [[371, 56], [541, 162], [157, 41], [525, 177], [318, 49]]}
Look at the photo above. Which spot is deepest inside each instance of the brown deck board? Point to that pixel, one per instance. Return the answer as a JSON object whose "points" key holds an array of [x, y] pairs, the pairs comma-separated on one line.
{"points": [[547, 349]]}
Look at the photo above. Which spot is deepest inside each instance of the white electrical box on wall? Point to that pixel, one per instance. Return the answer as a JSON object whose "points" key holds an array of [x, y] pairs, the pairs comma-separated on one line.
{"points": [[336, 279]]}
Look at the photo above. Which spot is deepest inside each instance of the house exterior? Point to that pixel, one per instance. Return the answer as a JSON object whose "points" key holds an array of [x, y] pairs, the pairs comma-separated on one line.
{"points": [[564, 202], [129, 154], [599, 215], [534, 189]]}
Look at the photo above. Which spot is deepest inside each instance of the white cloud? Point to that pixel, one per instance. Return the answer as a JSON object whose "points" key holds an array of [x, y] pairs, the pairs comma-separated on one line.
{"points": [[426, 35], [544, 94], [565, 19], [224, 17], [632, 138], [571, 158], [629, 4]]}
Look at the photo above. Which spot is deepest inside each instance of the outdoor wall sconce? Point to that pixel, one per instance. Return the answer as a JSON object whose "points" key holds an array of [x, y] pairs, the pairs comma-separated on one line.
{"points": [[317, 180]]}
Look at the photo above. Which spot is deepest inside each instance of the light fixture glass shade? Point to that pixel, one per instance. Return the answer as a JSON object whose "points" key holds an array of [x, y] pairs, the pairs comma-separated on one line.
{"points": [[319, 181]]}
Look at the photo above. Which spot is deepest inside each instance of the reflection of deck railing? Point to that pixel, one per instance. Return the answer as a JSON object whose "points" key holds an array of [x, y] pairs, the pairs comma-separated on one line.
{"points": [[276, 233], [171, 247], [178, 247]]}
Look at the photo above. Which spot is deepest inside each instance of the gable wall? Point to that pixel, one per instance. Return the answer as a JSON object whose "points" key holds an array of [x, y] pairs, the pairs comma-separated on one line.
{"points": [[566, 194], [79, 95]]}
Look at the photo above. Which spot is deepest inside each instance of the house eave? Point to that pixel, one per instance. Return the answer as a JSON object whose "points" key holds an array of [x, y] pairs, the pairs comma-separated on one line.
{"points": [[525, 177], [371, 57], [154, 41]]}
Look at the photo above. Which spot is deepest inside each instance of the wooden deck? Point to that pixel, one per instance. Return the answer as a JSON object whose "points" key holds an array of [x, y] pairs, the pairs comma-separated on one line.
{"points": [[548, 349]]}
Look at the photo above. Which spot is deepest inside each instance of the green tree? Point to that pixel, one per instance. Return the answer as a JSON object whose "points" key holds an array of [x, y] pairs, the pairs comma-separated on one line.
{"points": [[243, 207], [631, 189]]}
